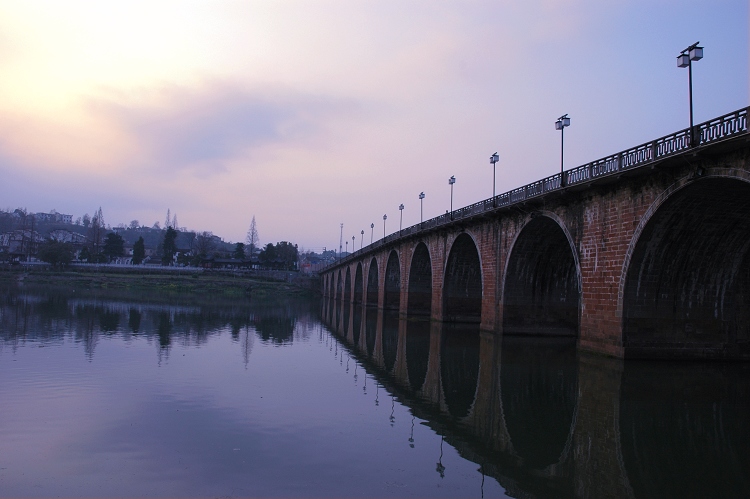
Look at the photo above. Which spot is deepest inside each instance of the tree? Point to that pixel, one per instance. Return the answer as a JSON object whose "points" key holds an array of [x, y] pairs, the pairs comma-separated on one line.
{"points": [[56, 253], [96, 231], [134, 224], [252, 237], [114, 246], [139, 251], [204, 243], [168, 220], [239, 251], [288, 254], [86, 220], [84, 255], [267, 255], [169, 247]]}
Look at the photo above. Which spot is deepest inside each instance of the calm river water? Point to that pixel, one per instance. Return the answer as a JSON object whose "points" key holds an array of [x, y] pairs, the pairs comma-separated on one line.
{"points": [[106, 394]]}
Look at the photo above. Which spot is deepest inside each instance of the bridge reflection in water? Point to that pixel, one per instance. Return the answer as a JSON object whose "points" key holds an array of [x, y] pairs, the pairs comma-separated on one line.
{"points": [[547, 420]]}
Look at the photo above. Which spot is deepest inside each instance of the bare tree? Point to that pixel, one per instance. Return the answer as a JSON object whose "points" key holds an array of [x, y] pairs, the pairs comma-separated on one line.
{"points": [[134, 224], [252, 237], [97, 228], [204, 242]]}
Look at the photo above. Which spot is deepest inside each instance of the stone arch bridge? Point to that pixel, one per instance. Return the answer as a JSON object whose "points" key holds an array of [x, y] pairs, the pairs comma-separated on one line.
{"points": [[644, 253]]}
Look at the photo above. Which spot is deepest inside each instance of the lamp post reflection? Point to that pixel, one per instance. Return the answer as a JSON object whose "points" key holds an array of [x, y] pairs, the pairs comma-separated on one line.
{"points": [[440, 468]]}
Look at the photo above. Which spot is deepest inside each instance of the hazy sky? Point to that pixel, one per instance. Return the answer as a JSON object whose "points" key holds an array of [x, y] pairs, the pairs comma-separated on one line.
{"points": [[310, 113]]}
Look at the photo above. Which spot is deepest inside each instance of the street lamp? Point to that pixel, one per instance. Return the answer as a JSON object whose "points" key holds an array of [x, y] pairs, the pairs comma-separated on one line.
{"points": [[362, 240], [341, 239], [352, 244], [421, 212], [452, 181], [401, 221], [384, 219], [692, 53], [494, 159], [347, 247], [560, 124], [372, 231]]}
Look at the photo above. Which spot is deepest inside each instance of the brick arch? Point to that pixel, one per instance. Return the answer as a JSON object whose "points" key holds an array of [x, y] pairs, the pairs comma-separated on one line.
{"points": [[419, 284], [462, 284], [371, 294], [542, 285], [685, 283], [359, 290], [392, 282]]}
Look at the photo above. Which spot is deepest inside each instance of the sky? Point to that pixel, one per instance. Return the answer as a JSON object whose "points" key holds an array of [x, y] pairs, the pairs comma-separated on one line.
{"points": [[308, 114]]}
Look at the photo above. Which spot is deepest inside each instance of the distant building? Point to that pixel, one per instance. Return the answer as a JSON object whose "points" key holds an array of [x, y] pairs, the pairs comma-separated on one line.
{"points": [[54, 216]]}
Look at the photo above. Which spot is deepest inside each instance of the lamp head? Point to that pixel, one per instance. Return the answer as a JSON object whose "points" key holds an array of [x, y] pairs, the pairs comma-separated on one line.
{"points": [[452, 180], [421, 195], [494, 158]]}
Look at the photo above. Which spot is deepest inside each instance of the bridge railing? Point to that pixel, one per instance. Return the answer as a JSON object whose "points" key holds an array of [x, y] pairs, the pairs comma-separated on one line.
{"points": [[715, 130]]}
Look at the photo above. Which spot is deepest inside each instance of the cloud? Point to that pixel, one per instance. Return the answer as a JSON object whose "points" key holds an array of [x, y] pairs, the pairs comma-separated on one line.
{"points": [[204, 130]]}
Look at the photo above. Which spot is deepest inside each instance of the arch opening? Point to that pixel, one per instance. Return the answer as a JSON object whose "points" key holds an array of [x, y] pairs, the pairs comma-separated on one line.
{"points": [[358, 289], [417, 352], [392, 287], [687, 287], [372, 284], [390, 339], [340, 287], [459, 367], [462, 288], [539, 394], [541, 294], [419, 301], [348, 286]]}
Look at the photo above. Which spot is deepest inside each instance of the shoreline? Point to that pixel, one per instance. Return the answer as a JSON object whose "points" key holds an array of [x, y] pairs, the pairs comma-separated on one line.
{"points": [[193, 284]]}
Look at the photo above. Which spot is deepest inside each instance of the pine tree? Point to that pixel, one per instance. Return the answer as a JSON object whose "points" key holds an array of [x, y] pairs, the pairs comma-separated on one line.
{"points": [[168, 220], [252, 237]]}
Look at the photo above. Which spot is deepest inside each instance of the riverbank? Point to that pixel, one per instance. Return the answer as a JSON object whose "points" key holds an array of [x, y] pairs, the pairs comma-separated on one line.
{"points": [[206, 285]]}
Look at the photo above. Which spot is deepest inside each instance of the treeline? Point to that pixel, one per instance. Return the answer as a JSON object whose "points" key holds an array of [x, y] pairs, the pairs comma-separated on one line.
{"points": [[90, 239]]}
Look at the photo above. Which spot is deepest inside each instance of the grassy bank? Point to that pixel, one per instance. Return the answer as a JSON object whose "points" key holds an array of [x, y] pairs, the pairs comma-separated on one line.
{"points": [[197, 285]]}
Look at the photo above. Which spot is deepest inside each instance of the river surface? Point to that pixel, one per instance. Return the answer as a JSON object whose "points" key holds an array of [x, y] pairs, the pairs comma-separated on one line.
{"points": [[109, 394]]}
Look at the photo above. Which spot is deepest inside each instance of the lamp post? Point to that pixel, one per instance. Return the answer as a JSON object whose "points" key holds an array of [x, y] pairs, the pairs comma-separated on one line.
{"points": [[362, 240], [421, 211], [352, 244], [385, 217], [341, 239], [692, 53], [347, 247], [372, 231], [560, 124], [401, 221], [494, 159], [452, 181]]}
